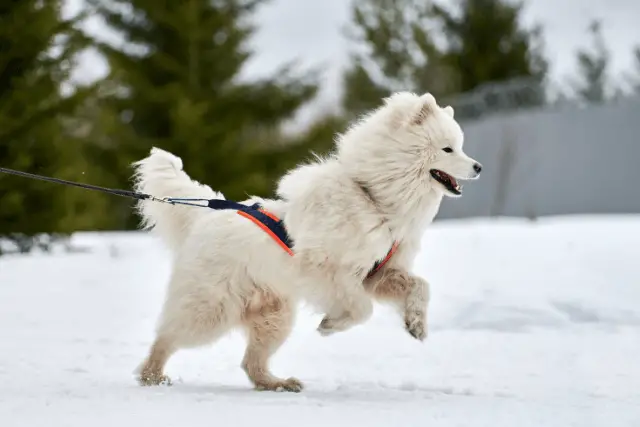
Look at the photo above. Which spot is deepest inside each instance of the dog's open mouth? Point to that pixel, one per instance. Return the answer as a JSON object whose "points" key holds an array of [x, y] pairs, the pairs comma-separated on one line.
{"points": [[447, 181]]}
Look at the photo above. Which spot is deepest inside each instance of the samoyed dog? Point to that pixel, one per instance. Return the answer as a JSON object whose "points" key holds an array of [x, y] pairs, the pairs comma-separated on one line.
{"points": [[366, 205]]}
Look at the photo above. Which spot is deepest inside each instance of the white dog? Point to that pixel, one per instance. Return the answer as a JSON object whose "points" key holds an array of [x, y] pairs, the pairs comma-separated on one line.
{"points": [[368, 201]]}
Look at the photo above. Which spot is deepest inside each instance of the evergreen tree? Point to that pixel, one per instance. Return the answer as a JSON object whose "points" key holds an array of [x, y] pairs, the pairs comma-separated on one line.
{"points": [[487, 44], [37, 51], [593, 68], [284, 153], [394, 51], [175, 86]]}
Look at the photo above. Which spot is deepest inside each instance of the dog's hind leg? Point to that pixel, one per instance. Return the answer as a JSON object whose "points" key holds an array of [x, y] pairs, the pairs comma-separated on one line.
{"points": [[198, 325], [268, 321], [197, 311], [152, 371]]}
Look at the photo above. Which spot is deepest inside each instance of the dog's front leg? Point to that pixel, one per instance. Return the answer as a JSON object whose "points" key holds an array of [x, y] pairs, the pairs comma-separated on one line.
{"points": [[351, 306], [339, 291], [408, 293], [415, 310]]}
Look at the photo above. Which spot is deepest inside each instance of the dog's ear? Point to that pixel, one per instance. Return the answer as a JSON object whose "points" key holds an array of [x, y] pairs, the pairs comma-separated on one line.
{"points": [[449, 110], [428, 105]]}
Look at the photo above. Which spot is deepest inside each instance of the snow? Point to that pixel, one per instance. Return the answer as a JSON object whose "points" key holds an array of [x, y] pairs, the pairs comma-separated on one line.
{"points": [[531, 324]]}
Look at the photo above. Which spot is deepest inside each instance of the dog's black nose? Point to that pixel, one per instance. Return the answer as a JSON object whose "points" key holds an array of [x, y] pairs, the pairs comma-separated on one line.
{"points": [[477, 167]]}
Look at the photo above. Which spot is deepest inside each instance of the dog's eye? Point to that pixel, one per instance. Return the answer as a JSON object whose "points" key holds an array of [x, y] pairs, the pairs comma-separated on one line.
{"points": [[447, 150]]}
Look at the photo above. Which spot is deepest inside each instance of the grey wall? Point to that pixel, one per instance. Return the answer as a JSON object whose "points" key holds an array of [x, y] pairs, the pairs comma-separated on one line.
{"points": [[568, 160]]}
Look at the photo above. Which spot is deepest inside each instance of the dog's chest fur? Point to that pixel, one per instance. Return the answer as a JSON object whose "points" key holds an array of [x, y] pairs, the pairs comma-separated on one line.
{"points": [[333, 220]]}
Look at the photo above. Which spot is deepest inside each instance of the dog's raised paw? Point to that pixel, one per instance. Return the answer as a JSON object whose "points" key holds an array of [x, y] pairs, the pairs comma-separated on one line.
{"points": [[326, 327], [415, 325]]}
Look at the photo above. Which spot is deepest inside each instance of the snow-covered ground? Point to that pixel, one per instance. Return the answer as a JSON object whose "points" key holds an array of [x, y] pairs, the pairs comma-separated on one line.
{"points": [[531, 324]]}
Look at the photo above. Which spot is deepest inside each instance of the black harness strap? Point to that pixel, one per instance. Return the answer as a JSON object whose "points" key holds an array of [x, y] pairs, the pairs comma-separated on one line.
{"points": [[255, 211]]}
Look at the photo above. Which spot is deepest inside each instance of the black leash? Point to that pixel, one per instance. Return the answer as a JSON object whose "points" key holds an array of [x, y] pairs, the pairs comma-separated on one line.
{"points": [[116, 192], [254, 211], [123, 193]]}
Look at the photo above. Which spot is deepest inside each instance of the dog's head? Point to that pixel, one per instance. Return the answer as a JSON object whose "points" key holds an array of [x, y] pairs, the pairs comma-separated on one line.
{"points": [[416, 137]]}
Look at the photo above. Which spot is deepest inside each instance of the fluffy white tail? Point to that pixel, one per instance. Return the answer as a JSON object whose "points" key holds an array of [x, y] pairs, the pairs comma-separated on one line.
{"points": [[161, 175]]}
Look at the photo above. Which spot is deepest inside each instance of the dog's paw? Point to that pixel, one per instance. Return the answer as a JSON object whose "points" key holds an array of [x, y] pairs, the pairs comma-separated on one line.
{"points": [[327, 327], [415, 323], [154, 379], [290, 384]]}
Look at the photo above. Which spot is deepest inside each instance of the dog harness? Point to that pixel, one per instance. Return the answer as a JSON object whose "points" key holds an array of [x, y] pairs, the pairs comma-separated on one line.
{"points": [[274, 227]]}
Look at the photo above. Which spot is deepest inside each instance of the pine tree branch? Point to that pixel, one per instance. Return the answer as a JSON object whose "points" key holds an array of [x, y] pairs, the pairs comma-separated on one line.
{"points": [[58, 108]]}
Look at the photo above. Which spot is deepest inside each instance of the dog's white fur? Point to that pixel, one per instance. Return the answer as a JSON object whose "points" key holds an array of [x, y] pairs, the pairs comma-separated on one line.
{"points": [[343, 213]]}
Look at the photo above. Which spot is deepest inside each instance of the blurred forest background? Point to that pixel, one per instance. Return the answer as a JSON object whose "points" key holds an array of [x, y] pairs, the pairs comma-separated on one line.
{"points": [[174, 84]]}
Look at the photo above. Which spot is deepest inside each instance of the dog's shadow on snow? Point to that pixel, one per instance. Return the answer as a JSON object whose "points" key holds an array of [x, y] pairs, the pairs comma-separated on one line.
{"points": [[315, 393]]}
